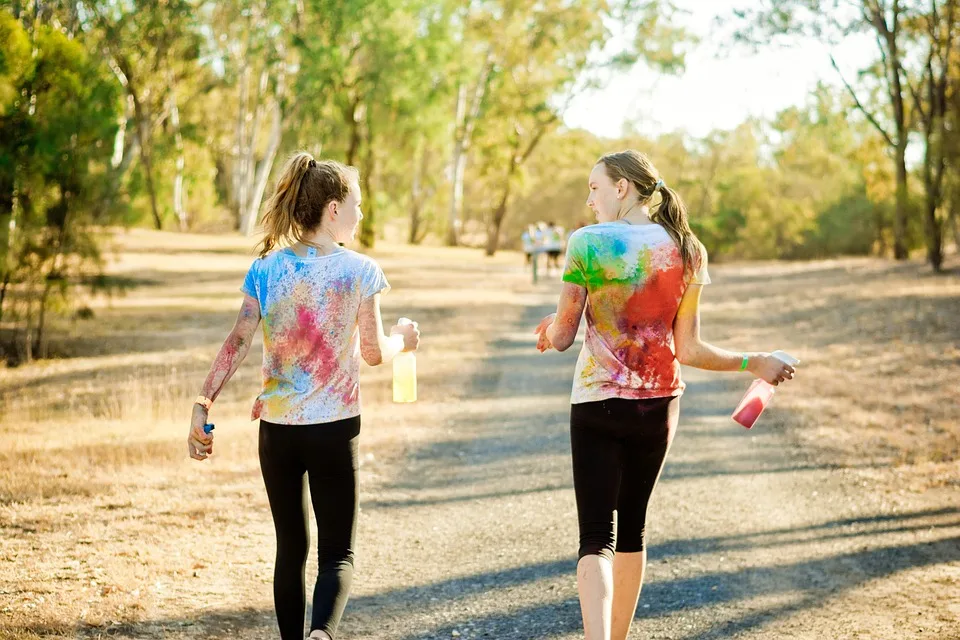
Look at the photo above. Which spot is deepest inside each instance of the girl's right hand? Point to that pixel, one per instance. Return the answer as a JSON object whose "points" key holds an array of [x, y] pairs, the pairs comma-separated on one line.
{"points": [[770, 368], [410, 333], [199, 443], [543, 342]]}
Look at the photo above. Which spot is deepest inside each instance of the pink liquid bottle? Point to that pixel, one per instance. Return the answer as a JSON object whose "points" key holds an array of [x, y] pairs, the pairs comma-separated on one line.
{"points": [[758, 395]]}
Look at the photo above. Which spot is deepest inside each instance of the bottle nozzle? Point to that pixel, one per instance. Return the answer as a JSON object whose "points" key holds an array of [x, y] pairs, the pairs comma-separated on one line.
{"points": [[785, 357]]}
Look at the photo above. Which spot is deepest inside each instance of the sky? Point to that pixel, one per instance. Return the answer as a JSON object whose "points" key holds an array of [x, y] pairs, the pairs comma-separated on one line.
{"points": [[722, 85]]}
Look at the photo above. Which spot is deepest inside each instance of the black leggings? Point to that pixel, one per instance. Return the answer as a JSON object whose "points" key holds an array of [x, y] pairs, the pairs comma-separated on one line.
{"points": [[618, 451], [326, 454]]}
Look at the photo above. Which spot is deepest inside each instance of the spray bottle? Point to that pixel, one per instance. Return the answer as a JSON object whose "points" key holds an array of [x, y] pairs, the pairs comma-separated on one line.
{"points": [[758, 395]]}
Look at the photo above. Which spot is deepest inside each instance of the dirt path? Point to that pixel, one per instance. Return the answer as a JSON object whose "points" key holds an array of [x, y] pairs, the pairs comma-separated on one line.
{"points": [[474, 532], [468, 523]]}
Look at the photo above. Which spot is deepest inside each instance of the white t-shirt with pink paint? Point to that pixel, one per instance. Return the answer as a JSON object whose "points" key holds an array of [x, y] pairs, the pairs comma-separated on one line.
{"points": [[311, 337]]}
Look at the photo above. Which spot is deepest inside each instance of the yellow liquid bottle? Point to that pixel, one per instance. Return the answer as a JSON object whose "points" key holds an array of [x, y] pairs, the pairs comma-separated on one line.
{"points": [[405, 374]]}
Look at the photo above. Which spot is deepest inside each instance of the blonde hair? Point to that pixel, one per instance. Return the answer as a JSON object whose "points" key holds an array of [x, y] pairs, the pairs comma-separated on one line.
{"points": [[304, 190], [671, 213]]}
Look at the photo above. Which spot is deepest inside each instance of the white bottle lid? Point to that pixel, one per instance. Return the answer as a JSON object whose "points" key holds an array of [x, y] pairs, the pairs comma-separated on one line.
{"points": [[403, 321], [786, 358]]}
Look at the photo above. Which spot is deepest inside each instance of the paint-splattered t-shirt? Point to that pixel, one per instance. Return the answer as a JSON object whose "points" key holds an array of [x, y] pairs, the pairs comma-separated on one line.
{"points": [[634, 279], [311, 337]]}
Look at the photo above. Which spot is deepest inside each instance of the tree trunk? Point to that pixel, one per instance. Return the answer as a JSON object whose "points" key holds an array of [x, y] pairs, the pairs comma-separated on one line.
{"points": [[55, 273], [178, 207], [934, 116], [39, 344], [881, 228], [252, 214], [516, 160], [493, 227], [143, 127], [954, 222], [900, 240], [6, 283], [423, 189], [932, 184], [248, 157], [463, 134], [10, 229], [125, 149], [367, 225], [240, 144], [27, 347], [457, 166], [416, 193], [354, 119], [934, 237]]}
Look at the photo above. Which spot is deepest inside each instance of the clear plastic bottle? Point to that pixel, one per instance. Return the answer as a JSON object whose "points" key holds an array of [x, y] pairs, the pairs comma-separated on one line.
{"points": [[405, 373], [758, 395]]}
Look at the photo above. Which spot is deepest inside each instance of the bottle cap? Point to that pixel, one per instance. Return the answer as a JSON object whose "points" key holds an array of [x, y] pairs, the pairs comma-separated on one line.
{"points": [[207, 428], [403, 321], [786, 358]]}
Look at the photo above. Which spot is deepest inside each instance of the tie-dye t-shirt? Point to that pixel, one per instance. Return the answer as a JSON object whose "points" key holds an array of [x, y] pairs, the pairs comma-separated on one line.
{"points": [[634, 279], [311, 337]]}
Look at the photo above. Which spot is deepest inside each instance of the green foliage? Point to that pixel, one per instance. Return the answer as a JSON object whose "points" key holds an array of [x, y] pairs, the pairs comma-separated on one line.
{"points": [[811, 183], [54, 141], [172, 113]]}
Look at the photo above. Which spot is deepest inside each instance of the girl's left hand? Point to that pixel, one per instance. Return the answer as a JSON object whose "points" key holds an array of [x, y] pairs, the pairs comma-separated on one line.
{"points": [[543, 343]]}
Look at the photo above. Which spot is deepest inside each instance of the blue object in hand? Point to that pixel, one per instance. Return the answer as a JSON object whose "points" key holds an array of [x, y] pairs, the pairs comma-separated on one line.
{"points": [[207, 428]]}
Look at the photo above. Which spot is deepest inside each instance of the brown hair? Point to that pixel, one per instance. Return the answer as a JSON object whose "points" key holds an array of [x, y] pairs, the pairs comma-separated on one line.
{"points": [[671, 213], [304, 190]]}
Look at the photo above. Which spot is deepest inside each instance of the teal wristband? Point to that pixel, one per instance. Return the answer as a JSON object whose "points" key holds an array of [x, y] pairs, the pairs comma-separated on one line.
{"points": [[746, 361]]}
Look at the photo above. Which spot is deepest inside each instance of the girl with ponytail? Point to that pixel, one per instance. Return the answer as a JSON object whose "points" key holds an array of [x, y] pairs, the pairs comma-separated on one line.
{"points": [[639, 274], [320, 306]]}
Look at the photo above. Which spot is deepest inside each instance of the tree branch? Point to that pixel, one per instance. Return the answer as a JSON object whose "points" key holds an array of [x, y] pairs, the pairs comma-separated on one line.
{"points": [[541, 131], [915, 91], [860, 106]]}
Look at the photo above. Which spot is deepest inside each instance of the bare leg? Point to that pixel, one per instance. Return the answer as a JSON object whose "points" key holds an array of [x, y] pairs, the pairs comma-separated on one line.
{"points": [[595, 584], [627, 581]]}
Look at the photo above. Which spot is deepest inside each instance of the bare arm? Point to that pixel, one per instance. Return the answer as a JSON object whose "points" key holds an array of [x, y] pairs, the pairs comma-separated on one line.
{"points": [[228, 360], [377, 348], [559, 330], [694, 352]]}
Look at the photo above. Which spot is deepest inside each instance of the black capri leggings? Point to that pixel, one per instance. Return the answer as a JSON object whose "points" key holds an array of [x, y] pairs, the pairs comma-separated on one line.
{"points": [[326, 454], [618, 451]]}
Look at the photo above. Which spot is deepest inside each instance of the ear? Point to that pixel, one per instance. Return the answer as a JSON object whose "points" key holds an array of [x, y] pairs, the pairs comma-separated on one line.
{"points": [[622, 187], [332, 209]]}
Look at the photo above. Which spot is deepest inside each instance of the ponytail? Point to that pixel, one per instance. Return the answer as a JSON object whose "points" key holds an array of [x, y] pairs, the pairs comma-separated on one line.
{"points": [[278, 219], [671, 214], [303, 191]]}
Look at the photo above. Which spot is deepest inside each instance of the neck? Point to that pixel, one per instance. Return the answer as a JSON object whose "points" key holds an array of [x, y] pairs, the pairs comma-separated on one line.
{"points": [[635, 214], [321, 237]]}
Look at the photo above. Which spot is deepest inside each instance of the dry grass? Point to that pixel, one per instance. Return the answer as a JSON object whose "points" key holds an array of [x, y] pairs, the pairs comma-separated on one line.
{"points": [[104, 522], [880, 345]]}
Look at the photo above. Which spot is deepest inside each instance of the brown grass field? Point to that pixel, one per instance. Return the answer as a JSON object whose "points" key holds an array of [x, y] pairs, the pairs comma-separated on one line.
{"points": [[105, 522]]}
